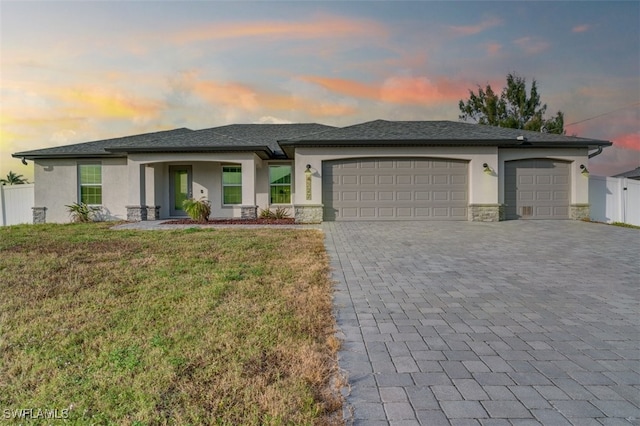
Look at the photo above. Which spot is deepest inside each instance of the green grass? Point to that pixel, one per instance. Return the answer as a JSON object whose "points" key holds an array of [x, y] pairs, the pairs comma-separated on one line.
{"points": [[190, 326], [625, 225]]}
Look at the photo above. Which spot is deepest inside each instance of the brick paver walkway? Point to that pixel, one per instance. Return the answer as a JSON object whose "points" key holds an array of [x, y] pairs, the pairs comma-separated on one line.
{"points": [[510, 323]]}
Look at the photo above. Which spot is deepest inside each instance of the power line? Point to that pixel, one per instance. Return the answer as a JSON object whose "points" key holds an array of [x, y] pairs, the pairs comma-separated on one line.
{"points": [[602, 115]]}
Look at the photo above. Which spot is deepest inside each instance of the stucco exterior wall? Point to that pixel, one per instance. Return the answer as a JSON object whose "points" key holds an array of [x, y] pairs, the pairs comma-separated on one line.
{"points": [[483, 188], [56, 186]]}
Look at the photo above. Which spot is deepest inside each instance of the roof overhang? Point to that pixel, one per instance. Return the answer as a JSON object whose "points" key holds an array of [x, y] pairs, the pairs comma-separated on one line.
{"points": [[262, 151], [288, 146], [32, 157]]}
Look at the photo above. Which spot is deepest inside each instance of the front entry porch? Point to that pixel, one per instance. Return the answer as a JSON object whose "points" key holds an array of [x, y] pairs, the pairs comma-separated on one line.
{"points": [[227, 180]]}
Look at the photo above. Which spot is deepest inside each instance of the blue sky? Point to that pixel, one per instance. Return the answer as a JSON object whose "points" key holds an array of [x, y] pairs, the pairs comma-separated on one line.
{"points": [[80, 71]]}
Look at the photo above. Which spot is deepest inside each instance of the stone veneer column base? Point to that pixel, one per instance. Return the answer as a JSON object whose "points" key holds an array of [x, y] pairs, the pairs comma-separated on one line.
{"points": [[153, 212], [579, 211], [308, 213], [39, 214], [136, 213], [248, 212], [486, 212]]}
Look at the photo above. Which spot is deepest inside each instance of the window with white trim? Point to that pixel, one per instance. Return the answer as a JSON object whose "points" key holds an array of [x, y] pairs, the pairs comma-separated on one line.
{"points": [[232, 184], [280, 184], [90, 184]]}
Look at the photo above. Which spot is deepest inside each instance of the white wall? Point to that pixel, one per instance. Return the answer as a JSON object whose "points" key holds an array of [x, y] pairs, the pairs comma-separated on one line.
{"points": [[57, 187], [611, 202], [15, 204]]}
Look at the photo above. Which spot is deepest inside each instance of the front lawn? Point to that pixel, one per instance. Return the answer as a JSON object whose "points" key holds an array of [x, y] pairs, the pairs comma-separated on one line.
{"points": [[194, 326]]}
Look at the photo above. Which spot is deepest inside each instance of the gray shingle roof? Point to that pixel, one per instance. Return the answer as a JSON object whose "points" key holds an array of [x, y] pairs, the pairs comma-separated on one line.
{"points": [[269, 140], [631, 174], [261, 138], [233, 137], [98, 148], [435, 131]]}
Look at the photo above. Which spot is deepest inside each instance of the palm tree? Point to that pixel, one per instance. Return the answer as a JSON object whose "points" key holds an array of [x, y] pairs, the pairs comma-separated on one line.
{"points": [[13, 179]]}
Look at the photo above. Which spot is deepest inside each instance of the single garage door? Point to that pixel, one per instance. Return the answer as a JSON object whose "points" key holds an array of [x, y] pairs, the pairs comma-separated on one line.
{"points": [[537, 189], [395, 189]]}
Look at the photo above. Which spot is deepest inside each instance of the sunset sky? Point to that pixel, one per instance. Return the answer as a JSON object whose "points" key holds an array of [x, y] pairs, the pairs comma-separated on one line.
{"points": [[80, 71]]}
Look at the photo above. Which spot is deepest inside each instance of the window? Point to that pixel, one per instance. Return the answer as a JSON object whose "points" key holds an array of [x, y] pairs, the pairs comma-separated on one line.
{"points": [[231, 185], [90, 179], [280, 184]]}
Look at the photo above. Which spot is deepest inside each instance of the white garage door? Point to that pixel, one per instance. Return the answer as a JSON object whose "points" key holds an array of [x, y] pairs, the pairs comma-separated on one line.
{"points": [[537, 189], [395, 189]]}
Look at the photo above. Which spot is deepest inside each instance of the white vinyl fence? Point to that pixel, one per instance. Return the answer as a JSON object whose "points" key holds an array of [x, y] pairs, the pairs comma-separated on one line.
{"points": [[614, 199], [15, 204]]}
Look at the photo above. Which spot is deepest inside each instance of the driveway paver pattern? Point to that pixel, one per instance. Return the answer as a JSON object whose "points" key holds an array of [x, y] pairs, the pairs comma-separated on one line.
{"points": [[468, 323]]}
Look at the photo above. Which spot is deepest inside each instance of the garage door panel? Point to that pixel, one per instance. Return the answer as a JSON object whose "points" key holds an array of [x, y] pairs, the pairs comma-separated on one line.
{"points": [[350, 180], [459, 213], [537, 189], [367, 180], [459, 180], [404, 196], [440, 179], [458, 196], [349, 196], [385, 180], [367, 196], [396, 189], [543, 180], [543, 195]]}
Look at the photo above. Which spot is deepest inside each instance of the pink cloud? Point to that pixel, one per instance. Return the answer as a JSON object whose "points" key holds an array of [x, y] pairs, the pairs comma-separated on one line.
{"points": [[466, 30], [398, 89], [531, 45], [628, 141], [493, 48], [321, 27], [580, 28]]}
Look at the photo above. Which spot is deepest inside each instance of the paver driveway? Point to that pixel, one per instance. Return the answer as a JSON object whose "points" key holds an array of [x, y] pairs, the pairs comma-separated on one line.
{"points": [[466, 323]]}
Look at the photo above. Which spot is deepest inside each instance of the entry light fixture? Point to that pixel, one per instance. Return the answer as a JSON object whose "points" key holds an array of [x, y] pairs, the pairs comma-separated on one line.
{"points": [[308, 171], [487, 169], [584, 170], [24, 161]]}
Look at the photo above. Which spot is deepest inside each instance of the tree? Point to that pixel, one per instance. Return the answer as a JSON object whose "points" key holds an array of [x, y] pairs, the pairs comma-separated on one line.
{"points": [[513, 108], [13, 179]]}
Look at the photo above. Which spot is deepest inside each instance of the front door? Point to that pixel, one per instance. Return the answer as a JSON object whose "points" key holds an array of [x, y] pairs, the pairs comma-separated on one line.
{"points": [[179, 188]]}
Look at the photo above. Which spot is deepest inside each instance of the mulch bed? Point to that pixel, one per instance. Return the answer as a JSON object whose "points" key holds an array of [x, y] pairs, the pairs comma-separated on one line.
{"points": [[231, 221]]}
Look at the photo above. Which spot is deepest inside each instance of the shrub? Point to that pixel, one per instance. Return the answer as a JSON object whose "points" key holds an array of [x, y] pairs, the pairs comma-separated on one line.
{"points": [[278, 213], [198, 210], [81, 212]]}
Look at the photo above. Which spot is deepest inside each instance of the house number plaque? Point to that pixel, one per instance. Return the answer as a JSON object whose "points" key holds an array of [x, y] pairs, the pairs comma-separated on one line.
{"points": [[308, 185]]}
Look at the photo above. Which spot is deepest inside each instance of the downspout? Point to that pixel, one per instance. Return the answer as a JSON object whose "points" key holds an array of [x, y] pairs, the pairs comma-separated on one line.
{"points": [[598, 152]]}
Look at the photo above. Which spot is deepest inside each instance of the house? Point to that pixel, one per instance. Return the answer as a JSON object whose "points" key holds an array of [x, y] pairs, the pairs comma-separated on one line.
{"points": [[631, 174], [378, 170]]}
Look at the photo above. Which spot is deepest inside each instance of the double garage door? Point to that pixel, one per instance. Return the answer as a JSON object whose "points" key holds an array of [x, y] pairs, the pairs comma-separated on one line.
{"points": [[395, 189]]}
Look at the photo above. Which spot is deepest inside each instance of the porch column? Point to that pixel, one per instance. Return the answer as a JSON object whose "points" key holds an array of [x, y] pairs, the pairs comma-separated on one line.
{"points": [[248, 209], [136, 207]]}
